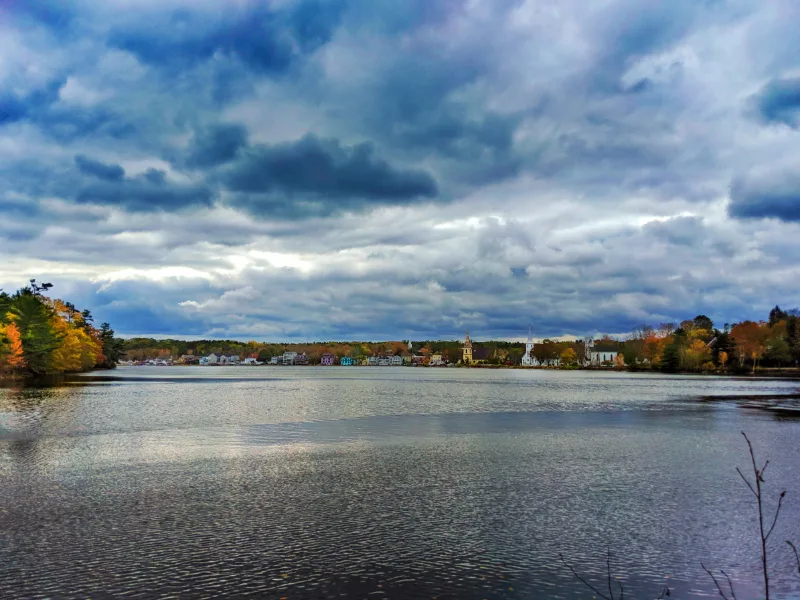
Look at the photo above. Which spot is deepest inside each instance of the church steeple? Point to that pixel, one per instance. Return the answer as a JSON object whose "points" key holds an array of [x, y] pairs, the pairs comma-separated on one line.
{"points": [[527, 358], [466, 351]]}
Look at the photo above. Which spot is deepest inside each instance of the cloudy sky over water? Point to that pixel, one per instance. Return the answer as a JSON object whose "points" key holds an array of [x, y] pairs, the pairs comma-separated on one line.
{"points": [[350, 169]]}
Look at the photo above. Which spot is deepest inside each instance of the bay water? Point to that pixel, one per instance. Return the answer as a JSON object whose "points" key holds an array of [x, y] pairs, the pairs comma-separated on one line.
{"points": [[313, 482]]}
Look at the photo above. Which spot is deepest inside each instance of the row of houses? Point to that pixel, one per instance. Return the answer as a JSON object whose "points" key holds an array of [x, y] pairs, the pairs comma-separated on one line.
{"points": [[379, 360], [329, 359], [290, 358], [221, 359], [595, 354]]}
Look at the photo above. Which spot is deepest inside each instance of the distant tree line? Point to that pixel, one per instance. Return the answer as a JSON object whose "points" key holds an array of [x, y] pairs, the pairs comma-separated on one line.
{"points": [[697, 345], [41, 335], [692, 345]]}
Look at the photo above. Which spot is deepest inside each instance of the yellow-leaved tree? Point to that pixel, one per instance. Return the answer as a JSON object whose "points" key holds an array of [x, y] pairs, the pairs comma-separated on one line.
{"points": [[77, 350], [697, 354], [568, 357]]}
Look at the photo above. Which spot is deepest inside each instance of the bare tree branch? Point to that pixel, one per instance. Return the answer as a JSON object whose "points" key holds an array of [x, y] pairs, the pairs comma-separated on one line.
{"points": [[796, 556], [759, 477], [730, 584], [777, 512], [716, 583], [582, 580], [747, 482]]}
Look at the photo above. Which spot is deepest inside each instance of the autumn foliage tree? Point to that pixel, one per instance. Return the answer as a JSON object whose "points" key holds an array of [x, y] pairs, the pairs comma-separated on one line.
{"points": [[41, 335], [749, 338], [11, 356], [696, 345]]}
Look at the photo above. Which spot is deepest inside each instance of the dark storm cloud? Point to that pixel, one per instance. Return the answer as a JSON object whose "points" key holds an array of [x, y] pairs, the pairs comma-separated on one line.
{"points": [[265, 37], [216, 144], [150, 191], [776, 196], [98, 169], [15, 107], [779, 102], [64, 124], [316, 174]]}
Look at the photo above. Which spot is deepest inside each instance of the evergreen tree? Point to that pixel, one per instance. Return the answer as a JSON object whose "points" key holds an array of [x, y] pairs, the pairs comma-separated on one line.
{"points": [[776, 315], [5, 306], [703, 322], [33, 319], [793, 338], [671, 359], [112, 347], [88, 319], [723, 344]]}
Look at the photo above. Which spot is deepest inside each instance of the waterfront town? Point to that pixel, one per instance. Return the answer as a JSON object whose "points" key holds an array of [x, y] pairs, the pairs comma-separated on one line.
{"points": [[693, 345], [588, 352]]}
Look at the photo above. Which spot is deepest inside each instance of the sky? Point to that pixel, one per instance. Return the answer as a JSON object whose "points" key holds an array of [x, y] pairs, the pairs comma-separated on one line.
{"points": [[370, 169]]}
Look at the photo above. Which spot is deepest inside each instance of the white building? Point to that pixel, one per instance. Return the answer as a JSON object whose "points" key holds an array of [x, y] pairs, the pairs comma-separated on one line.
{"points": [[397, 361], [527, 359], [251, 361], [599, 354], [288, 358], [275, 360], [211, 359]]}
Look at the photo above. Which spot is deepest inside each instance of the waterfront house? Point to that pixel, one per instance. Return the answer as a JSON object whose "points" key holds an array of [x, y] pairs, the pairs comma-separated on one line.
{"points": [[346, 361], [301, 359], [372, 361], [327, 359], [251, 361], [275, 360], [288, 358], [212, 359], [436, 360], [384, 361], [397, 360], [602, 352]]}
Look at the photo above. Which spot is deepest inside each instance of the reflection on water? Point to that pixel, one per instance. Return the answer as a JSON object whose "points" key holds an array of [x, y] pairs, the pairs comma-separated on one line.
{"points": [[311, 483]]}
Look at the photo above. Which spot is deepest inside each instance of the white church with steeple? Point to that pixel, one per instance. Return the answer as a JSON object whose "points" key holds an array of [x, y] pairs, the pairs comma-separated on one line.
{"points": [[527, 358]]}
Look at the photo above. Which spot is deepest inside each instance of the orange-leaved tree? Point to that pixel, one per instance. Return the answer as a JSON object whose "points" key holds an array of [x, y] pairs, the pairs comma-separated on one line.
{"points": [[11, 354], [749, 338]]}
